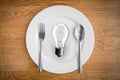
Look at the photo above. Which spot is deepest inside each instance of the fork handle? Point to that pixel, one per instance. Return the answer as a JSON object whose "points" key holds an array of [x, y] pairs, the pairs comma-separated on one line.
{"points": [[39, 59], [79, 59]]}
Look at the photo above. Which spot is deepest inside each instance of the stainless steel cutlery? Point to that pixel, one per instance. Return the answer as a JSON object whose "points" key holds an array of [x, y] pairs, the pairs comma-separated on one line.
{"points": [[41, 35], [80, 35]]}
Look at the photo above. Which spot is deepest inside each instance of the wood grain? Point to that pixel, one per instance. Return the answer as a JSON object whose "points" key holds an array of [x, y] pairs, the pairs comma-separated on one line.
{"points": [[15, 63]]}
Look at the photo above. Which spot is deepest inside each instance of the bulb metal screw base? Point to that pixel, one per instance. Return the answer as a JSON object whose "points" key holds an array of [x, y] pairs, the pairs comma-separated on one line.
{"points": [[59, 52]]}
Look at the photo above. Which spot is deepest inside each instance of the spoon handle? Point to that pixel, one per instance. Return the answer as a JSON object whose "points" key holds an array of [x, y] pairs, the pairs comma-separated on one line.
{"points": [[79, 59]]}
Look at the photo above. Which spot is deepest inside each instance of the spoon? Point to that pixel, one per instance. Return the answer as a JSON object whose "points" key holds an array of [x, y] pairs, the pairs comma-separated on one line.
{"points": [[79, 34]]}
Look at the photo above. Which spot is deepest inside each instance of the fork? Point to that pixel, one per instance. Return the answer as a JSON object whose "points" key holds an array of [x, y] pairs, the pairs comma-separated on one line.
{"points": [[41, 35]]}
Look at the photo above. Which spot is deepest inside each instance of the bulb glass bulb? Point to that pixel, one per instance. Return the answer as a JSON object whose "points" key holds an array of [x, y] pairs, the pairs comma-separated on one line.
{"points": [[60, 34]]}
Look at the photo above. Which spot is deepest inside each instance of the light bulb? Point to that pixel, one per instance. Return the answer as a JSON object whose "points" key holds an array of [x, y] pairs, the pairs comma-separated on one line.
{"points": [[60, 34]]}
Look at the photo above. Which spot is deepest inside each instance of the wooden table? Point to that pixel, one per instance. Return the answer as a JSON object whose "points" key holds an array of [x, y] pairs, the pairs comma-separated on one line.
{"points": [[15, 62]]}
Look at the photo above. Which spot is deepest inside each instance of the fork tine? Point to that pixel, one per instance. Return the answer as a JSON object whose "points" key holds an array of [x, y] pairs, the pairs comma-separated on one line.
{"points": [[43, 28], [40, 27]]}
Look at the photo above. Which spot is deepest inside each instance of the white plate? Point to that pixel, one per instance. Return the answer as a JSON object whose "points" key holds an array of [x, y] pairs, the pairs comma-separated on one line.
{"points": [[51, 16]]}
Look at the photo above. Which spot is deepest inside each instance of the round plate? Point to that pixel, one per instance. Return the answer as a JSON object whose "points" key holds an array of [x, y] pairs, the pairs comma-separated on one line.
{"points": [[51, 16]]}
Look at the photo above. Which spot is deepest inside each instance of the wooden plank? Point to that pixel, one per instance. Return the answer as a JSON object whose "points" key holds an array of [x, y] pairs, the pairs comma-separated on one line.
{"points": [[16, 64]]}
